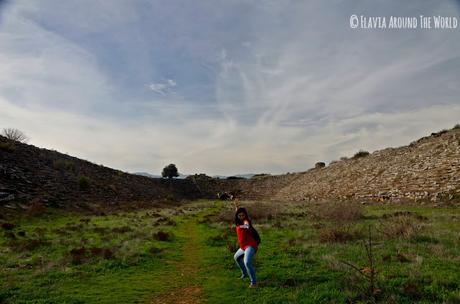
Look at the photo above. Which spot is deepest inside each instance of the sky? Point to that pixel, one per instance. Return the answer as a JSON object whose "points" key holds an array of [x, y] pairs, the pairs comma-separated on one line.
{"points": [[224, 87]]}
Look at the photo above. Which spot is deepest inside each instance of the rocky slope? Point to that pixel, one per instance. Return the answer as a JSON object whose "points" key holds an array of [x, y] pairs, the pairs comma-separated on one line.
{"points": [[427, 169], [29, 174]]}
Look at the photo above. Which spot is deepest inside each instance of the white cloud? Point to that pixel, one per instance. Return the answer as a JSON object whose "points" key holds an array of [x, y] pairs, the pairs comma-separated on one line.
{"points": [[163, 88], [297, 87]]}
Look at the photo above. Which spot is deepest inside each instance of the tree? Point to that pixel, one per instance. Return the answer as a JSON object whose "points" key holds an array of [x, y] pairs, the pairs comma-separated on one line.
{"points": [[170, 171], [15, 134]]}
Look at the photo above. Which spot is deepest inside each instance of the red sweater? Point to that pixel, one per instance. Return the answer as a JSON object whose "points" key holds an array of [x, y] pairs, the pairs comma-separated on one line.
{"points": [[245, 238]]}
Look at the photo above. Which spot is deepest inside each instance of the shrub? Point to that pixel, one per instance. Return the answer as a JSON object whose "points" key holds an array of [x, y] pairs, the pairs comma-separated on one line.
{"points": [[15, 135], [62, 164], [360, 153], [319, 165], [84, 182], [400, 226], [7, 146], [456, 127]]}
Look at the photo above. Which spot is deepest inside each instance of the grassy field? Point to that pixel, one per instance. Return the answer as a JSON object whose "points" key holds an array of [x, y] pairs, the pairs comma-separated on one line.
{"points": [[310, 253]]}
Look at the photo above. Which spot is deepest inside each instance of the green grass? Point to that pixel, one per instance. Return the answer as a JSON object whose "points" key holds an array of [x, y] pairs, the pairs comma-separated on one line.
{"points": [[297, 262]]}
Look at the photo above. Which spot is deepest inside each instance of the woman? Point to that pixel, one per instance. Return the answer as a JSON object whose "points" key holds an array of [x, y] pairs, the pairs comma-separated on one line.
{"points": [[248, 245]]}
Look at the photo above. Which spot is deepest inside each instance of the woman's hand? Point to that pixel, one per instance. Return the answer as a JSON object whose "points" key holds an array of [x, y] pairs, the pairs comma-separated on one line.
{"points": [[245, 224]]}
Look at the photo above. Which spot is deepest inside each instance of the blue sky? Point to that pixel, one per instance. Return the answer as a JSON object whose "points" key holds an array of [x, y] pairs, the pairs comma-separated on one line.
{"points": [[224, 87]]}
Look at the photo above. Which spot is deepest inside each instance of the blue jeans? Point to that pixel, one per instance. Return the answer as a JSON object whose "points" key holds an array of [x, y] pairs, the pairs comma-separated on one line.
{"points": [[243, 259]]}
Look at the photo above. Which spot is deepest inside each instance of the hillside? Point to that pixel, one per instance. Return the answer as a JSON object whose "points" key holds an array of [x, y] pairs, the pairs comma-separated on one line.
{"points": [[427, 169], [30, 174]]}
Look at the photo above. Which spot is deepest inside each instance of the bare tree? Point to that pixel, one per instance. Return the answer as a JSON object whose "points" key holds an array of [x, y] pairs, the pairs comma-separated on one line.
{"points": [[15, 134]]}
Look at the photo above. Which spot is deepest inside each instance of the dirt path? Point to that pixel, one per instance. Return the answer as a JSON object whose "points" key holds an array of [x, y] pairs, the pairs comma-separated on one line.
{"points": [[184, 273]]}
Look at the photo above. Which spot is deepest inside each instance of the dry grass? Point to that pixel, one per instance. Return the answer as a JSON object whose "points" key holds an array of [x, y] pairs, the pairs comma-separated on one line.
{"points": [[338, 234], [21, 245], [81, 255], [259, 212], [402, 226], [337, 211]]}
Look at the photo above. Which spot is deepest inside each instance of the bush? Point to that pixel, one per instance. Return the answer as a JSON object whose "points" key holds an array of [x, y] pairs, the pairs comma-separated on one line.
{"points": [[319, 165], [360, 153], [62, 164], [15, 135], [84, 182], [7, 146], [400, 226]]}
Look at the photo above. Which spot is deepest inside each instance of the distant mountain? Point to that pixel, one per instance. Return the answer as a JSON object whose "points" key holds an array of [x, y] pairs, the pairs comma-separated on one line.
{"points": [[181, 176], [147, 174]]}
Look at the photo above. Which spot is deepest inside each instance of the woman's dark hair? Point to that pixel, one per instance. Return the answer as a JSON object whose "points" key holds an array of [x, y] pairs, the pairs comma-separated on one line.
{"points": [[237, 219]]}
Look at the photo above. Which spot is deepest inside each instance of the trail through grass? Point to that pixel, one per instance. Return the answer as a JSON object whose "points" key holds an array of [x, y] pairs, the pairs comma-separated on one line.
{"points": [[184, 254], [182, 275]]}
